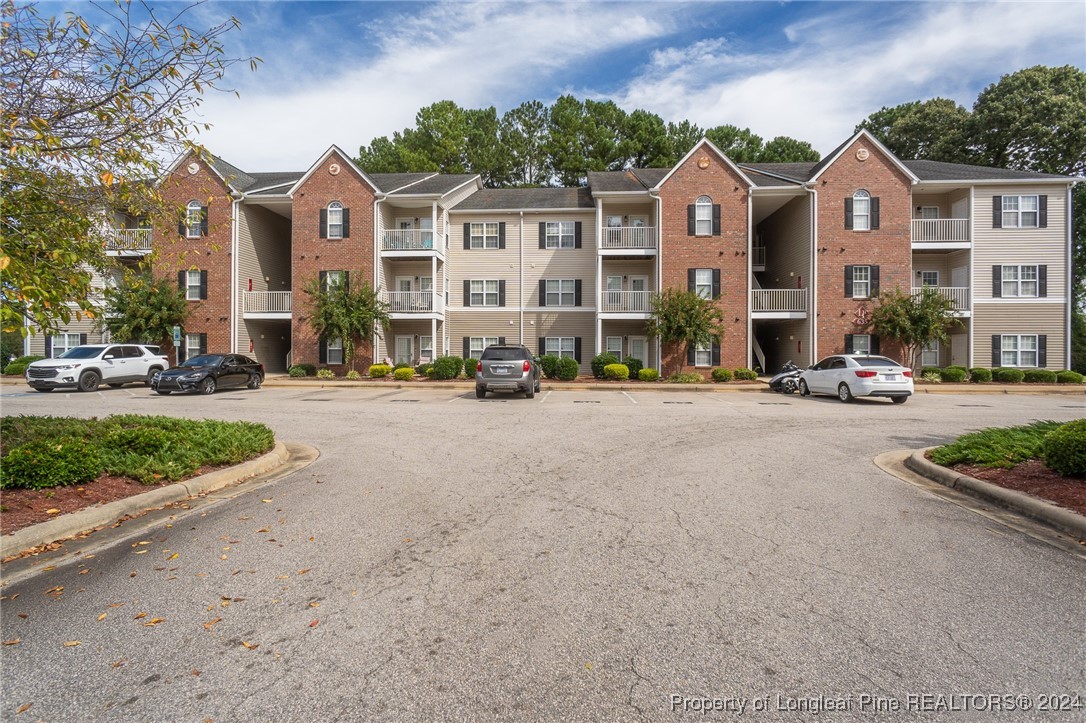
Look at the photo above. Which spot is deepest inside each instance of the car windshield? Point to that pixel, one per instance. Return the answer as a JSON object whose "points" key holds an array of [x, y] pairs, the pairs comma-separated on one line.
{"points": [[504, 354], [204, 360], [876, 361], [82, 352]]}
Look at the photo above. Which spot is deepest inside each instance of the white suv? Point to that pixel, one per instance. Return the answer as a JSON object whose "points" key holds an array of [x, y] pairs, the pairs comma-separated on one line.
{"points": [[87, 366]]}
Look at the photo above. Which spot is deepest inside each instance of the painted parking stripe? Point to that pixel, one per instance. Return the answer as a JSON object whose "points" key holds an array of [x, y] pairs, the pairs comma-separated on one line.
{"points": [[545, 396], [629, 397]]}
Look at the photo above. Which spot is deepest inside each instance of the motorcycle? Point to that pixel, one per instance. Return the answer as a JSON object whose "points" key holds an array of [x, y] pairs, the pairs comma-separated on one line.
{"points": [[787, 381]]}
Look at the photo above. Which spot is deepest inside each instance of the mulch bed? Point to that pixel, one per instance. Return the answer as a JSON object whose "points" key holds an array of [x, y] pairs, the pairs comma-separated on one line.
{"points": [[21, 508], [1035, 479]]}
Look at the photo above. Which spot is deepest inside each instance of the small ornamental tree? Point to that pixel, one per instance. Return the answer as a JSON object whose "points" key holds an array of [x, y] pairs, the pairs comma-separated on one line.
{"points": [[340, 312], [913, 320], [684, 318], [143, 309]]}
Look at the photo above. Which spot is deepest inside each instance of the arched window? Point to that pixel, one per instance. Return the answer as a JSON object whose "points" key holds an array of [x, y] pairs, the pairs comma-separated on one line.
{"points": [[335, 220], [703, 216], [194, 219], [861, 211]]}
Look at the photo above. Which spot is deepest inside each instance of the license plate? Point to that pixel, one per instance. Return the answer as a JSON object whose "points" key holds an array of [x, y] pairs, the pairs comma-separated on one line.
{"points": [[500, 370], [890, 377]]}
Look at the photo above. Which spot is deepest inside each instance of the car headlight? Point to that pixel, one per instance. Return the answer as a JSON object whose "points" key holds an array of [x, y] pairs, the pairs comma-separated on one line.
{"points": [[66, 366], [191, 376]]}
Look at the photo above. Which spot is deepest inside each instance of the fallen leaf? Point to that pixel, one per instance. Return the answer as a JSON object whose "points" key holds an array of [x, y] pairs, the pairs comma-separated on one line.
{"points": [[118, 663], [101, 617], [47, 569], [142, 552], [141, 543], [140, 616], [53, 590], [117, 605], [588, 666], [211, 623], [73, 643], [268, 500], [24, 616], [282, 577], [264, 529], [154, 621], [222, 557], [302, 572], [13, 641], [314, 604], [83, 572], [24, 708], [52, 511], [174, 556], [408, 539], [225, 604], [132, 574], [314, 623], [195, 671], [250, 646]]}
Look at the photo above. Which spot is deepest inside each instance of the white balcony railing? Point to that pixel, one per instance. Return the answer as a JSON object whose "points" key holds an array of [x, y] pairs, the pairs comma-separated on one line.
{"points": [[946, 230], [628, 237], [412, 302], [626, 301], [409, 239], [266, 302], [957, 294], [128, 239], [757, 256], [779, 300]]}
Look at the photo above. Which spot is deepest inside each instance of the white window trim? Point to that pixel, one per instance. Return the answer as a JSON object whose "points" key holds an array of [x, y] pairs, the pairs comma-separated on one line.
{"points": [[484, 292], [192, 345], [560, 294], [865, 347], [558, 347], [703, 213], [333, 278], [708, 285], [707, 350], [861, 196], [64, 341], [192, 289], [923, 273], [335, 207], [333, 345], [1018, 350], [930, 348], [1016, 213], [194, 218], [476, 351], [607, 346], [1018, 281], [557, 236], [479, 230], [866, 283]]}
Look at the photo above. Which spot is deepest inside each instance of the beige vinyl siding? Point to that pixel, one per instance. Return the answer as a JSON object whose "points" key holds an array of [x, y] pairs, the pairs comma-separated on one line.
{"points": [[264, 242], [484, 323], [394, 268], [386, 345], [787, 237], [270, 342], [626, 209], [780, 342], [627, 268], [450, 200], [573, 263], [563, 323], [499, 264], [1020, 245], [75, 326], [626, 329], [1023, 318], [931, 262]]}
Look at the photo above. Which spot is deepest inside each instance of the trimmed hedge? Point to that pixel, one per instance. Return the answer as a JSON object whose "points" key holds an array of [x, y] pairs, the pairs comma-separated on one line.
{"points": [[722, 375], [1064, 449], [447, 367], [421, 369], [634, 365], [404, 374], [325, 374], [402, 365], [931, 373], [978, 375], [616, 372], [379, 371], [648, 374], [1040, 376], [353, 375], [1069, 377], [548, 364], [1008, 376], [600, 361], [568, 369], [296, 372], [469, 367], [955, 374], [18, 366], [996, 446], [308, 370], [686, 378], [746, 374]]}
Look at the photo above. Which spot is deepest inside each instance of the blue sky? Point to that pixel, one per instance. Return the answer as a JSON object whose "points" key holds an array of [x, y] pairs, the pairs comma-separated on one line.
{"points": [[344, 72]]}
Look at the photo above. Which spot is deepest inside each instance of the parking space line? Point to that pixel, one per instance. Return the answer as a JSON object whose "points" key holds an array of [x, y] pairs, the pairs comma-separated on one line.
{"points": [[545, 396], [629, 397], [459, 396]]}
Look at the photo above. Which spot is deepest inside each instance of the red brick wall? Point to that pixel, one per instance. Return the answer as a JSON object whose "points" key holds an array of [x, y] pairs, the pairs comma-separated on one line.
{"points": [[211, 253], [888, 247], [312, 254], [726, 252]]}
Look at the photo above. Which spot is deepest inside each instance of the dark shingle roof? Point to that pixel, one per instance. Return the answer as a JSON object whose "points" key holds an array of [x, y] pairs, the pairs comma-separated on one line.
{"points": [[439, 184], [761, 180], [238, 179], [609, 181], [939, 171], [389, 182], [276, 182], [798, 172], [499, 199]]}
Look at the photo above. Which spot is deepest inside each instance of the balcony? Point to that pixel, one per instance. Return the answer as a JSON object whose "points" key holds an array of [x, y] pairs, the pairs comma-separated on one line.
{"points": [[410, 243], [757, 258], [779, 303], [959, 295], [266, 304], [128, 241], [626, 304], [413, 304], [940, 233], [628, 241]]}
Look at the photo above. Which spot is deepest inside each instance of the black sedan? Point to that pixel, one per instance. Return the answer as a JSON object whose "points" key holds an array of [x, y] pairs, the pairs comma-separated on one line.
{"points": [[208, 372]]}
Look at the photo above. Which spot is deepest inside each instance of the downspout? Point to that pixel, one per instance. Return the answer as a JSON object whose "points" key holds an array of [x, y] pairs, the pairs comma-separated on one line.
{"points": [[659, 266], [1070, 290], [812, 286], [750, 275], [599, 275], [376, 269], [234, 243], [972, 273], [520, 293]]}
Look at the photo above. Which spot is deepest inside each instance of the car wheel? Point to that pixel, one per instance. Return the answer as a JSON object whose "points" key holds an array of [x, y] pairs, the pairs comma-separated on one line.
{"points": [[254, 382], [150, 374], [803, 390], [163, 392], [538, 386], [789, 386], [480, 393], [529, 393], [844, 393], [207, 386], [39, 389], [88, 381], [899, 400]]}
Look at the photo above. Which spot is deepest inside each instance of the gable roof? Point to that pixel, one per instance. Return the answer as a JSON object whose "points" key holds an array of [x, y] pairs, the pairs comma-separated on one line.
{"points": [[320, 161], [435, 184], [704, 142], [862, 133], [939, 171], [515, 199]]}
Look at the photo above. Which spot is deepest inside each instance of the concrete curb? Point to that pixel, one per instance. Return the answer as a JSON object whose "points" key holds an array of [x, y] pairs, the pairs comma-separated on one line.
{"points": [[1046, 512], [90, 518]]}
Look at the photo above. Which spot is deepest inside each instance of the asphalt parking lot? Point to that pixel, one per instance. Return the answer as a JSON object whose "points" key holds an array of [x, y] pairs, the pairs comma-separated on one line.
{"points": [[581, 555]]}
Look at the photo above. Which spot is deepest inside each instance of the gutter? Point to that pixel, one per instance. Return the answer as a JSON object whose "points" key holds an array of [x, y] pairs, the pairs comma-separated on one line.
{"points": [[234, 320], [813, 279], [520, 298]]}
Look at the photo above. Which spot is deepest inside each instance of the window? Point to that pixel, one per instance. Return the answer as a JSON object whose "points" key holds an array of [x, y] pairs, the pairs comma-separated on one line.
{"points": [[1020, 211], [929, 278], [703, 216], [861, 211], [703, 356], [426, 347], [561, 346], [703, 283], [63, 342], [484, 293], [335, 220], [333, 279], [1018, 350], [861, 282], [193, 345], [929, 356], [334, 349], [561, 292], [484, 235], [929, 212], [1019, 281], [477, 343], [861, 343], [194, 219], [614, 346], [561, 235], [192, 285]]}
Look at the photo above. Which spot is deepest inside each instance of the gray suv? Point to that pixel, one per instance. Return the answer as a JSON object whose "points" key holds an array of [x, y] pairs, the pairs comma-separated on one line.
{"points": [[507, 368]]}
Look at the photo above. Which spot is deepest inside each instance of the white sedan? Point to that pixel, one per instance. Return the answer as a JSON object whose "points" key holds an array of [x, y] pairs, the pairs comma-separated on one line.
{"points": [[848, 376]]}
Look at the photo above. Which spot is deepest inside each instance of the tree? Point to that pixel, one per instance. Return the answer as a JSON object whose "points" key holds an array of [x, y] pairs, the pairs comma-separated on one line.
{"points": [[681, 137], [647, 142], [89, 113], [142, 308], [524, 138], [937, 129], [913, 320], [483, 153], [604, 141], [565, 141], [337, 312], [783, 149], [738, 144], [684, 318]]}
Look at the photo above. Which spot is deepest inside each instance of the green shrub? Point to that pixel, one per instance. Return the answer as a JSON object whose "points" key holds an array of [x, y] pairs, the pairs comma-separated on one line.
{"points": [[955, 375], [325, 374], [145, 441], [722, 375], [1008, 376], [634, 365], [568, 369], [379, 371], [1039, 376], [308, 370], [447, 367], [469, 367], [618, 372], [932, 373], [402, 365], [978, 375], [296, 372], [404, 374], [18, 366], [602, 360], [353, 375], [996, 447], [421, 369], [548, 364], [686, 378], [1069, 377], [1064, 449], [50, 463], [746, 374], [648, 374]]}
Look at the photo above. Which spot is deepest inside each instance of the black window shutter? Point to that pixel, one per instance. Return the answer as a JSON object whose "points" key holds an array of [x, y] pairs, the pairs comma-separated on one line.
{"points": [[1042, 350], [997, 281], [467, 292], [542, 292], [203, 343], [542, 234], [997, 351], [181, 281], [181, 224], [501, 234], [577, 348], [501, 341], [322, 226], [716, 219], [203, 284], [577, 235], [691, 220], [180, 349], [203, 220], [874, 282], [467, 236], [501, 293], [346, 280], [323, 277], [716, 283], [346, 223], [690, 351], [716, 352], [48, 347], [467, 347], [875, 344], [848, 282], [1042, 280], [1042, 213], [577, 292], [874, 212], [848, 343], [691, 279], [542, 345], [322, 352], [997, 212], [82, 339], [848, 213]]}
